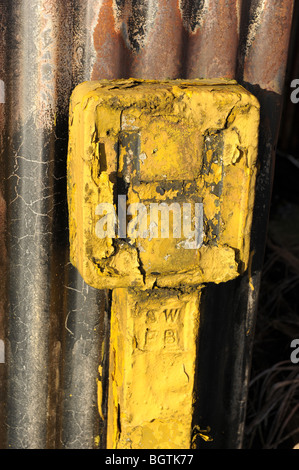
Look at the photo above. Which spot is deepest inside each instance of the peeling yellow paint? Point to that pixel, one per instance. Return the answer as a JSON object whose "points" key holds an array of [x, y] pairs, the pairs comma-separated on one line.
{"points": [[173, 141], [100, 398], [152, 364], [202, 433]]}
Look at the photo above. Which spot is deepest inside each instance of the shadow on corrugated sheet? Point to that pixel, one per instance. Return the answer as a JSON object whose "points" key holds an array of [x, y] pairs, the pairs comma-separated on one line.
{"points": [[56, 326]]}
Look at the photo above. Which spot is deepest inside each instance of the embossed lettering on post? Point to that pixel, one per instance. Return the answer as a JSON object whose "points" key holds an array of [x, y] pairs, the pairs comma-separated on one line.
{"points": [[159, 329]]}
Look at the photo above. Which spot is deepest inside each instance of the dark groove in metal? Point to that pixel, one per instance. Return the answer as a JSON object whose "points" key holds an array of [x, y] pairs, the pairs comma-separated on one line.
{"points": [[85, 332], [86, 328]]}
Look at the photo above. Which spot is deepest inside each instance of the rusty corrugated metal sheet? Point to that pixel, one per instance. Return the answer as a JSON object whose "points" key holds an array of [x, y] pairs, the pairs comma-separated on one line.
{"points": [[289, 139], [2, 222], [56, 324]]}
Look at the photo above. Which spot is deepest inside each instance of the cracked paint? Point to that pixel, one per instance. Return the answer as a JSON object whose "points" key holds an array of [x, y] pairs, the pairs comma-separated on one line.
{"points": [[200, 142], [153, 142], [152, 364]]}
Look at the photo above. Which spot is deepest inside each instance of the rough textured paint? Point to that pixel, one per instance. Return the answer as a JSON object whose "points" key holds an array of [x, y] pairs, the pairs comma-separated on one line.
{"points": [[173, 141], [152, 365], [68, 42]]}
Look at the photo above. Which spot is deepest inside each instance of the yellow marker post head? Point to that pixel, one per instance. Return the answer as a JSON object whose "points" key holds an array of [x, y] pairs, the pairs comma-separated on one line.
{"points": [[161, 179]]}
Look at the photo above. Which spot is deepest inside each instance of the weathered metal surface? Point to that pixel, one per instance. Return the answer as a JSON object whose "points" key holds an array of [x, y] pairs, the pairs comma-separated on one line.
{"points": [[3, 22], [268, 33], [265, 28], [51, 46], [31, 106], [45, 293], [85, 310], [166, 39], [288, 135], [267, 38]]}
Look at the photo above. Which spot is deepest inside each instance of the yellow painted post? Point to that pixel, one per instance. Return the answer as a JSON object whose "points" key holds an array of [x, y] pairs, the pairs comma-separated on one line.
{"points": [[161, 179], [152, 366]]}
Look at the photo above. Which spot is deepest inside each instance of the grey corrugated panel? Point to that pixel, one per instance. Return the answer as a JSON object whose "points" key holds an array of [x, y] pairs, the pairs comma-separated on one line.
{"points": [[86, 322], [288, 138], [30, 106], [40, 300], [263, 50], [3, 22], [86, 326], [57, 324]]}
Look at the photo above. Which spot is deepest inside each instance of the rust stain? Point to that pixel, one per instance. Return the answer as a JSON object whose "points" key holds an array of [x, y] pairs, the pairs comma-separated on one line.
{"points": [[213, 38], [163, 55], [126, 45], [135, 20], [108, 43], [267, 39], [166, 39]]}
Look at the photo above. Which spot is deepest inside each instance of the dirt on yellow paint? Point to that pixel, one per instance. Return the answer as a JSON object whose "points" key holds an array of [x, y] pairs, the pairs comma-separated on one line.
{"points": [[162, 146], [161, 142], [152, 363]]}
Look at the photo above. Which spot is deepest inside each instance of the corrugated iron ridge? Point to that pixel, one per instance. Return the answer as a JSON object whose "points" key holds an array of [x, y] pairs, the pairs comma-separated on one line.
{"points": [[3, 260], [56, 323]]}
